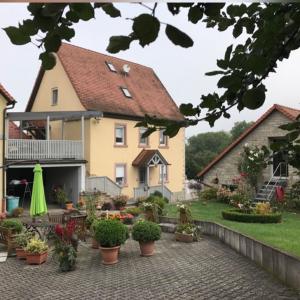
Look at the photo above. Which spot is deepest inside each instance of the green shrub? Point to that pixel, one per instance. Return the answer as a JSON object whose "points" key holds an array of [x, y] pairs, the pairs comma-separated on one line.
{"points": [[14, 225], [110, 233], [159, 202], [36, 246], [209, 194], [236, 215], [146, 231], [135, 211], [22, 239], [160, 195]]}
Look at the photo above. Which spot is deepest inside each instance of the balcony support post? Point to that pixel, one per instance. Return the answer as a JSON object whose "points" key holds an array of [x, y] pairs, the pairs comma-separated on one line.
{"points": [[48, 128], [82, 134]]}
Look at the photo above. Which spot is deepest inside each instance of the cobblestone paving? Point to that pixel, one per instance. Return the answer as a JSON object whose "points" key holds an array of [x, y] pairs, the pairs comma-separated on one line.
{"points": [[203, 270]]}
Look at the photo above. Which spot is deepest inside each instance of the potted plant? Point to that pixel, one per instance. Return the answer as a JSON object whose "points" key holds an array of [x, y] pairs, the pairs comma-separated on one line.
{"points": [[21, 241], [120, 202], [69, 205], [65, 249], [146, 233], [8, 229], [13, 225], [186, 233], [110, 234], [36, 251]]}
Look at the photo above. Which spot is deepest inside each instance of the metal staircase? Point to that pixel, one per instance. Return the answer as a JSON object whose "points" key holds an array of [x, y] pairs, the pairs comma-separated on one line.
{"points": [[268, 190]]}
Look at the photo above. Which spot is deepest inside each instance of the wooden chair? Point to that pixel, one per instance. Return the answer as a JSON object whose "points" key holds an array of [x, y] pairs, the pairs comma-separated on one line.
{"points": [[57, 219], [80, 225]]}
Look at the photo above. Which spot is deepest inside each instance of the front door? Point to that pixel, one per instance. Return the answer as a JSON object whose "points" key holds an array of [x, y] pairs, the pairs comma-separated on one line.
{"points": [[142, 176], [280, 166]]}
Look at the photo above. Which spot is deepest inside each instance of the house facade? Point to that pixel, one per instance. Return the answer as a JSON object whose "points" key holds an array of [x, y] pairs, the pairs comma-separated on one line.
{"points": [[90, 103], [262, 132]]}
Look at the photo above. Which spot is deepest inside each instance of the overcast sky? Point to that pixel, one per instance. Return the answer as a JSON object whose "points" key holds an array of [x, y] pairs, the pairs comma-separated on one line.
{"points": [[181, 70]]}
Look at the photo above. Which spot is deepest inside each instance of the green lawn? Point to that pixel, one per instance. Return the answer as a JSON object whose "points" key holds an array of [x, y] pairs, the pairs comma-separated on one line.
{"points": [[284, 236]]}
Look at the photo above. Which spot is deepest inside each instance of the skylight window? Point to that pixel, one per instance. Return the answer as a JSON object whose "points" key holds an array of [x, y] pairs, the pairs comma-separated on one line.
{"points": [[126, 92], [111, 67]]}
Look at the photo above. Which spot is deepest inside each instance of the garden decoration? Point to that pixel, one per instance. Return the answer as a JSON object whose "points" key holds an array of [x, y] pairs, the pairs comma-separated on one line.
{"points": [[186, 231], [146, 233], [110, 234], [38, 205], [65, 245], [36, 251]]}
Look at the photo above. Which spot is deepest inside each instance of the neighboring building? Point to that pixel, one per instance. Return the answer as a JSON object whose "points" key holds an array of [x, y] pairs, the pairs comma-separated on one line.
{"points": [[262, 132], [5, 100], [82, 116]]}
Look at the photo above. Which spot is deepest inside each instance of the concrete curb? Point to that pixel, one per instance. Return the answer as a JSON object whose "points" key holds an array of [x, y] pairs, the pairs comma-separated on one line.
{"points": [[282, 265]]}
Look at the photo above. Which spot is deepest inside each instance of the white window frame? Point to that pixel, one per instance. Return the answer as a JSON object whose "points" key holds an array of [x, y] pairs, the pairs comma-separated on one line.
{"points": [[164, 137], [146, 142], [54, 99], [111, 67], [165, 173], [123, 181], [126, 92], [123, 142]]}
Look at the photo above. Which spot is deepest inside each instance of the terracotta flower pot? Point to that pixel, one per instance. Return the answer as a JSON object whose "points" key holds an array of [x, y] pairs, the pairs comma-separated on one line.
{"points": [[36, 259], [147, 248], [95, 244], [69, 206], [21, 254], [183, 237], [110, 255]]}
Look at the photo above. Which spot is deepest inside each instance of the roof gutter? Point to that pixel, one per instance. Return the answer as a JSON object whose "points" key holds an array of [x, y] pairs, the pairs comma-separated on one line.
{"points": [[10, 106]]}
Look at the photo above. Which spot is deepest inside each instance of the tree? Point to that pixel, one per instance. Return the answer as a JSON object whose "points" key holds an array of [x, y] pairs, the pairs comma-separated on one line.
{"points": [[238, 128], [272, 32], [202, 148]]}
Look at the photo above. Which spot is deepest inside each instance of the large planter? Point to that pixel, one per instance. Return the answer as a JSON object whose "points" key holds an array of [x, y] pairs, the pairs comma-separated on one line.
{"points": [[183, 237], [21, 254], [36, 258], [147, 248], [110, 255]]}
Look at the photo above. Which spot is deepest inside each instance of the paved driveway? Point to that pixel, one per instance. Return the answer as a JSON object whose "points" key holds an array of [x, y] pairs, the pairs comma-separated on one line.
{"points": [[203, 270]]}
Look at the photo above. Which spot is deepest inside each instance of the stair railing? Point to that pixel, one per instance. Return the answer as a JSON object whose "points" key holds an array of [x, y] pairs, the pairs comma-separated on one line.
{"points": [[277, 178]]}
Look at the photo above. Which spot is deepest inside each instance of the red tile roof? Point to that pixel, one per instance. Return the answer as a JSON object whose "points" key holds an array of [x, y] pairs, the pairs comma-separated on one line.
{"points": [[290, 113], [98, 88], [14, 131], [8, 97]]}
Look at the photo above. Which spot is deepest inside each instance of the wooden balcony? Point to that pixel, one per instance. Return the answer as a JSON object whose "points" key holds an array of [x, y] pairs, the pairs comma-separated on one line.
{"points": [[22, 149]]}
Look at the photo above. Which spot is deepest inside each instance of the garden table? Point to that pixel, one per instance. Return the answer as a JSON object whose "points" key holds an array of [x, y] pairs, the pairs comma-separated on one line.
{"points": [[43, 229]]}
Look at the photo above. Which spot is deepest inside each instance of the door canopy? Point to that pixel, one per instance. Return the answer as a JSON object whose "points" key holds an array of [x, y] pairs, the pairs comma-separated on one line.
{"points": [[149, 158]]}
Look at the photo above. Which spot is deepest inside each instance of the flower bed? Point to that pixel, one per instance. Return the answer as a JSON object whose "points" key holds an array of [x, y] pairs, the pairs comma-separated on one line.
{"points": [[236, 215]]}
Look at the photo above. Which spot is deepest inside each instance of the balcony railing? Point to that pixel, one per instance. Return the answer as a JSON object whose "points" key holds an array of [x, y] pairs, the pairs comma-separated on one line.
{"points": [[44, 149]]}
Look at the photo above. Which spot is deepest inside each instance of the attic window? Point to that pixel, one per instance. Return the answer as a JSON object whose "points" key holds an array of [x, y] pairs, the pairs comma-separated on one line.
{"points": [[111, 67], [126, 92]]}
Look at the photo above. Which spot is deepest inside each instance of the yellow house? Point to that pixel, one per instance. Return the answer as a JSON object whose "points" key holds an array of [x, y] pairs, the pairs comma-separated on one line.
{"points": [[93, 101], [6, 102]]}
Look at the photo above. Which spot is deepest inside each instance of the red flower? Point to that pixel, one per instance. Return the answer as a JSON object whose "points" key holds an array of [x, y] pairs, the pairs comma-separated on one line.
{"points": [[58, 230]]}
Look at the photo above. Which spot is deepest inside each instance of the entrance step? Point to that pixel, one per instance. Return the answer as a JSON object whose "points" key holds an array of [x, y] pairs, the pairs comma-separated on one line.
{"points": [[167, 227]]}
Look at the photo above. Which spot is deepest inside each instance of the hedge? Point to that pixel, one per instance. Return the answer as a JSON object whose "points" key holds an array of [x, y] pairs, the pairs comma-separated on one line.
{"points": [[235, 215]]}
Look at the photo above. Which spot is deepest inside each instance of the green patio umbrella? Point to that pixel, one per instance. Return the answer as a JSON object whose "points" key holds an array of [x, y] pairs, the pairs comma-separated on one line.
{"points": [[38, 205]]}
